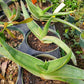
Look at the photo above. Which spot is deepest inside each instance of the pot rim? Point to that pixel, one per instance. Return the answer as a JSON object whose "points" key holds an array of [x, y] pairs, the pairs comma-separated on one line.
{"points": [[44, 51], [14, 27]]}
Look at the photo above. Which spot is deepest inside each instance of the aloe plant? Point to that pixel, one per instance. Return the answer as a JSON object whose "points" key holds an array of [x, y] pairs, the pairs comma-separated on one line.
{"points": [[52, 70], [43, 15], [12, 17], [38, 31]]}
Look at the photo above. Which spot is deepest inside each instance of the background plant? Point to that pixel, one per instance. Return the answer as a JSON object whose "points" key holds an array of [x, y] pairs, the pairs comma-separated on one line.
{"points": [[12, 17]]}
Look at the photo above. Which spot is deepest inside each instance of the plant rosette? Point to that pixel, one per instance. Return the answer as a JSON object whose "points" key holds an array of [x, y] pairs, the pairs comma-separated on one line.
{"points": [[28, 78], [9, 71], [34, 46]]}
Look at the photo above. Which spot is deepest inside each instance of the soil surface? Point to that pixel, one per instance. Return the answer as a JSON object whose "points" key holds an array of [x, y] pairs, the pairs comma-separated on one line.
{"points": [[13, 42], [11, 72], [45, 5], [36, 44]]}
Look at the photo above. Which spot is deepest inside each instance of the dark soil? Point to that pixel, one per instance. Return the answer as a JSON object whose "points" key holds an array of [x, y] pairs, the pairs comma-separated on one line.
{"points": [[45, 5], [14, 42], [28, 78], [11, 72], [38, 45]]}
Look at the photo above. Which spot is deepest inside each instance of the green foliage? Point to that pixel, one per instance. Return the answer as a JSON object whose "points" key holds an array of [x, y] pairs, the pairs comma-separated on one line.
{"points": [[79, 52], [82, 35], [59, 70], [39, 14], [70, 4], [11, 15]]}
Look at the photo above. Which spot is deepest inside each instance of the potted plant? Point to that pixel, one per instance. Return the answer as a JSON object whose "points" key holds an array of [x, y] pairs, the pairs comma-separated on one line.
{"points": [[43, 15], [45, 70], [10, 18]]}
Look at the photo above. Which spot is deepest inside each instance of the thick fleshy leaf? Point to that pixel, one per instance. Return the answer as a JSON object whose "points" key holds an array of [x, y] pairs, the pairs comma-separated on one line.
{"points": [[29, 62], [57, 41], [67, 72], [46, 9], [17, 15], [35, 28], [22, 22], [65, 22], [10, 33], [6, 9], [56, 14], [73, 81], [32, 8], [46, 28]]}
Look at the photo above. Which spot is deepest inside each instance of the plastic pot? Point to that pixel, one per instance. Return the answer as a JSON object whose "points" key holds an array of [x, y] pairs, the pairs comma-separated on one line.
{"points": [[24, 47], [32, 78], [19, 72]]}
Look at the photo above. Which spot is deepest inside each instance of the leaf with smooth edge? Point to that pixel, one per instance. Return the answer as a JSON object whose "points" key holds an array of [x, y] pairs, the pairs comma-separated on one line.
{"points": [[6, 9], [66, 72], [10, 33], [61, 44], [65, 22], [17, 11], [14, 11], [73, 81], [56, 14], [35, 28], [46, 9], [33, 9], [22, 22], [46, 28], [29, 62]]}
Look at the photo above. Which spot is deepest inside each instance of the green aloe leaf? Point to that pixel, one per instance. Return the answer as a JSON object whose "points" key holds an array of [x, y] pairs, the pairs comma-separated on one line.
{"points": [[46, 28], [6, 9], [24, 21], [10, 33], [67, 23], [35, 28], [67, 72], [46, 9], [29, 62], [33, 9], [17, 15], [73, 81], [56, 14], [51, 39]]}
